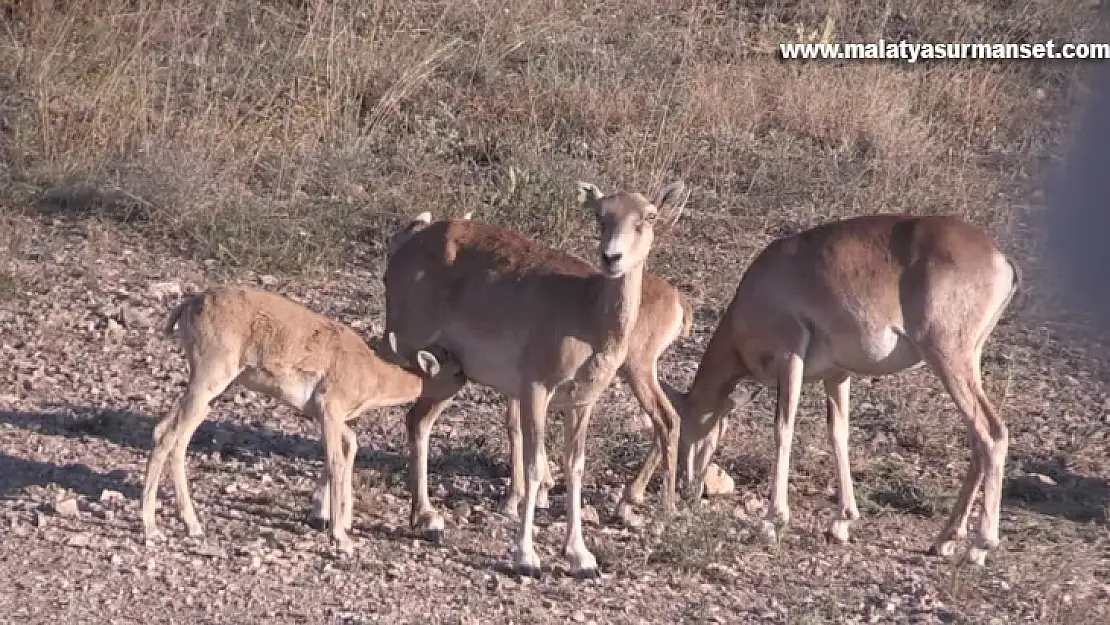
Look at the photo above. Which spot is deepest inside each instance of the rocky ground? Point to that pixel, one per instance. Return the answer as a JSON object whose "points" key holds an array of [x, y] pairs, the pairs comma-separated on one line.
{"points": [[85, 373]]}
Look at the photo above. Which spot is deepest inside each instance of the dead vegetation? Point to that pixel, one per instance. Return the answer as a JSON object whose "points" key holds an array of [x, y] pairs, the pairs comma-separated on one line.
{"points": [[151, 143], [266, 134]]}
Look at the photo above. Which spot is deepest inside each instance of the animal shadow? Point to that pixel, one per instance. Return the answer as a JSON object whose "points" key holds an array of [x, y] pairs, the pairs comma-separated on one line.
{"points": [[133, 430], [19, 473], [1050, 489], [232, 441]]}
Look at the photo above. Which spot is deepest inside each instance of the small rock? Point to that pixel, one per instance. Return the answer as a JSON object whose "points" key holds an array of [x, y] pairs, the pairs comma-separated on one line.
{"points": [[718, 482], [67, 508], [722, 570], [210, 551], [268, 280], [133, 318], [754, 506], [1043, 479], [79, 540], [504, 582], [110, 495], [114, 331], [590, 515], [461, 510], [356, 191], [163, 291], [578, 617], [40, 519]]}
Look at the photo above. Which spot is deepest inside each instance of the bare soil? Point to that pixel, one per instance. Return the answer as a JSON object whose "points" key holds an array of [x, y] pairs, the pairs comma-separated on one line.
{"points": [[88, 372]]}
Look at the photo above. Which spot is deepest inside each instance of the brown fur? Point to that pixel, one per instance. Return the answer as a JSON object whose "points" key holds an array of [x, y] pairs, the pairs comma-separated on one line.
{"points": [[874, 296], [687, 315], [662, 307], [665, 314], [533, 323], [275, 346]]}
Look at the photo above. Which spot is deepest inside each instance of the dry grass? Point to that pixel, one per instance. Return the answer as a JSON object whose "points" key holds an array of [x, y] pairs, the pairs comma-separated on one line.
{"points": [[266, 134]]}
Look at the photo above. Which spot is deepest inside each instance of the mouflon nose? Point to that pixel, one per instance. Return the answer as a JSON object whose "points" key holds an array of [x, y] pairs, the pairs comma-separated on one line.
{"points": [[610, 260]]}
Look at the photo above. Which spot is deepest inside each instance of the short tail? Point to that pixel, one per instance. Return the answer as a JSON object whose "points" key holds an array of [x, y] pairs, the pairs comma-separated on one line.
{"points": [[175, 315]]}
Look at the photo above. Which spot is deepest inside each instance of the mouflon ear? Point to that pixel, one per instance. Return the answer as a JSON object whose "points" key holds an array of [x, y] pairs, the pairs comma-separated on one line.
{"points": [[670, 194], [588, 193], [423, 220], [427, 362], [670, 200]]}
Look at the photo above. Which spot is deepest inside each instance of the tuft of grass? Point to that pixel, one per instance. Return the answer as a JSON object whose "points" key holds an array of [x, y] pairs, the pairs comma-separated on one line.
{"points": [[10, 286], [694, 540]]}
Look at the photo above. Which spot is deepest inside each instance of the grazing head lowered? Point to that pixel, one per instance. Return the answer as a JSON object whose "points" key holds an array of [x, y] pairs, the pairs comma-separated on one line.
{"points": [[873, 296]]}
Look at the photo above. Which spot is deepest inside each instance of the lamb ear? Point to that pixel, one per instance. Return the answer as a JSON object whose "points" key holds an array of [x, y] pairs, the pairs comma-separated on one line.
{"points": [[588, 193], [428, 363]]}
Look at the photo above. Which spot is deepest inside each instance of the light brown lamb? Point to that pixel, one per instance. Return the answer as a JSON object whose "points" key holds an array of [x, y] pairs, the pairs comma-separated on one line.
{"points": [[277, 347]]}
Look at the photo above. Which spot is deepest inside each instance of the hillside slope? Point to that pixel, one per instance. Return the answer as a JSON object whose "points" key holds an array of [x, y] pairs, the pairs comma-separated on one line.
{"points": [[147, 149]]}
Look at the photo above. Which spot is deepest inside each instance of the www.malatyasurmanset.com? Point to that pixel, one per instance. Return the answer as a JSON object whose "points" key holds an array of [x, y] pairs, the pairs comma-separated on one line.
{"points": [[913, 52]]}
